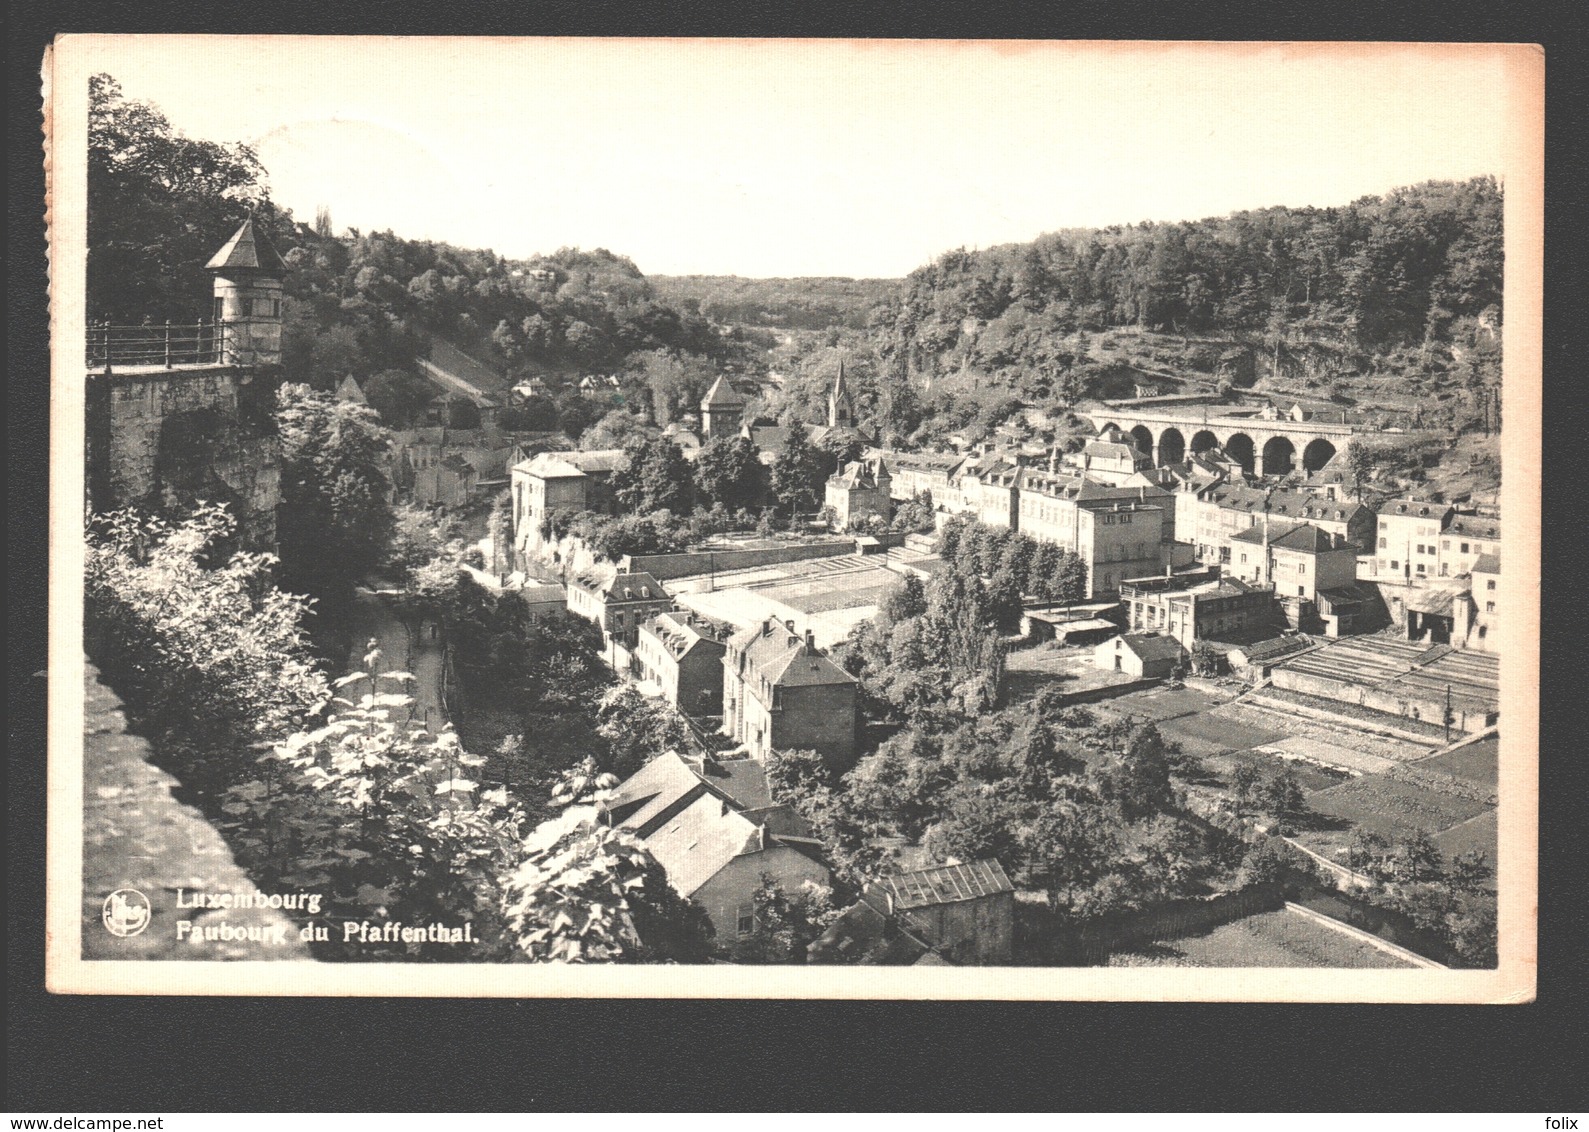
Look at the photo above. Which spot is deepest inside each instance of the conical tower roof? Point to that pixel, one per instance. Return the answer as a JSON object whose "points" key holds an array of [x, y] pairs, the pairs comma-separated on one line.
{"points": [[247, 250], [840, 390], [721, 393]]}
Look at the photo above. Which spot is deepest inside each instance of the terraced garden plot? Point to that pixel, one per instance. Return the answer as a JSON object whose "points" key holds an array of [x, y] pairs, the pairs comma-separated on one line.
{"points": [[1393, 809], [1311, 778], [1271, 939], [1340, 735], [1208, 733], [1476, 833], [1160, 703], [1477, 762]]}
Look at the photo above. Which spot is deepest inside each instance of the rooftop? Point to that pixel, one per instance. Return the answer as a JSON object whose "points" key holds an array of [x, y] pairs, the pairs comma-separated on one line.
{"points": [[247, 250], [946, 884], [624, 587], [1153, 646], [567, 465], [1474, 526], [1303, 537], [722, 395]]}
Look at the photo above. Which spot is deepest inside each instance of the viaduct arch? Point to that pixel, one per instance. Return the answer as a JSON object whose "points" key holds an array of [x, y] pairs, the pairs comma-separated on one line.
{"points": [[1263, 447]]}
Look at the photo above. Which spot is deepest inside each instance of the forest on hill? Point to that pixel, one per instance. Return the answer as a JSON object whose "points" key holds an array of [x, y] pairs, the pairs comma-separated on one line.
{"points": [[1390, 306], [807, 303], [366, 304], [1406, 284]]}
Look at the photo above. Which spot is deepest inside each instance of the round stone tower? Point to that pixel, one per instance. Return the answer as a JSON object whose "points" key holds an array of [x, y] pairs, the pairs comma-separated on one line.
{"points": [[248, 298]]}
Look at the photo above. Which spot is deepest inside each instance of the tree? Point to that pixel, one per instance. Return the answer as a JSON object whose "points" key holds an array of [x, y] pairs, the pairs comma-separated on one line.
{"points": [[159, 206], [1417, 858], [1140, 783], [1244, 785], [797, 473], [397, 396], [1282, 799], [637, 729], [334, 484], [1068, 584], [784, 924], [729, 471], [978, 824], [1004, 600], [587, 892], [656, 478], [208, 656], [906, 600], [917, 514], [796, 775], [1471, 871], [615, 430], [381, 816]]}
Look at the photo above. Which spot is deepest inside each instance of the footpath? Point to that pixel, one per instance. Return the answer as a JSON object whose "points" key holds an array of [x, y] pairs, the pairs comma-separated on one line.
{"points": [[404, 648]]}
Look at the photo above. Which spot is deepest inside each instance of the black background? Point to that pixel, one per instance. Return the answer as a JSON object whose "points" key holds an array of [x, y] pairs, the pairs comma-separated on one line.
{"points": [[172, 1054]]}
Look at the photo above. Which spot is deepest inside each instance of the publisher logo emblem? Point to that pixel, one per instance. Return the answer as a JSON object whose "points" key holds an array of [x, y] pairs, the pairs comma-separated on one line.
{"points": [[126, 912]]}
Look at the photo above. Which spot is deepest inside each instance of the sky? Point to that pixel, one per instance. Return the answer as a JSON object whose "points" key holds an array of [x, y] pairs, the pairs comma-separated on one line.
{"points": [[791, 158]]}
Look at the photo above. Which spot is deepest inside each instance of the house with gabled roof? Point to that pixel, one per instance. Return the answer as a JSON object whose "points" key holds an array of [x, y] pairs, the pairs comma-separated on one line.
{"points": [[859, 491], [780, 693], [716, 834], [1145, 656], [681, 653], [619, 604]]}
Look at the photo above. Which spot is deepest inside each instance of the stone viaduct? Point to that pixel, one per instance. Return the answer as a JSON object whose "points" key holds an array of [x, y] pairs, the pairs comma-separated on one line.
{"points": [[1261, 445]]}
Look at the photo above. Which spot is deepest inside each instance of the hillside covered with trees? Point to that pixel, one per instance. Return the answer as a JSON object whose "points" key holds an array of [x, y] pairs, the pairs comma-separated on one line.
{"points": [[814, 303], [160, 204], [1405, 286]]}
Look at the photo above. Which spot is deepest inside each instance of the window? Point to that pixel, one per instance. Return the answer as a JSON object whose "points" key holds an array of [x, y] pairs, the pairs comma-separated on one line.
{"points": [[1394, 565], [1244, 560], [1302, 568], [1445, 568], [1384, 544], [747, 921], [1490, 585], [1445, 544], [1489, 607], [1301, 592], [1464, 548], [1484, 631]]}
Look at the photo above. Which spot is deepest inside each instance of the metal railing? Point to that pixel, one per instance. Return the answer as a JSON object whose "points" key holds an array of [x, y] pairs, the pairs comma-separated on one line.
{"points": [[156, 344]]}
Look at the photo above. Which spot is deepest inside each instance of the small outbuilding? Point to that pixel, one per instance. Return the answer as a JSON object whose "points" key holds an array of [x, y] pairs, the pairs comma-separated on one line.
{"points": [[1147, 656]]}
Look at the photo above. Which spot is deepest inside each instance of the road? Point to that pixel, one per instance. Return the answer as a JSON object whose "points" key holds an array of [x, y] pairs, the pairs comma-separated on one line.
{"points": [[401, 650]]}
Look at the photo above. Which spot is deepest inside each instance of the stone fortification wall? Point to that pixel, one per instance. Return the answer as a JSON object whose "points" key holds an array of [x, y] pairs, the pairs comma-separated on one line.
{"points": [[185, 435], [137, 836]]}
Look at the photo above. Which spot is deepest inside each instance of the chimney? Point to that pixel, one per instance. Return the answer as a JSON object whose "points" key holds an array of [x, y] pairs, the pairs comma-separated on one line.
{"points": [[811, 643], [789, 624], [766, 626]]}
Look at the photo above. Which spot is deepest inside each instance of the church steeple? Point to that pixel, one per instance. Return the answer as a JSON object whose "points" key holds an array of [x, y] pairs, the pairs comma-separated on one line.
{"points": [[841, 412]]}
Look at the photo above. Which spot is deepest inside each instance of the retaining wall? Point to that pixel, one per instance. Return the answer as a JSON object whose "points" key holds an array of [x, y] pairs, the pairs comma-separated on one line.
{"points": [[662, 567]]}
